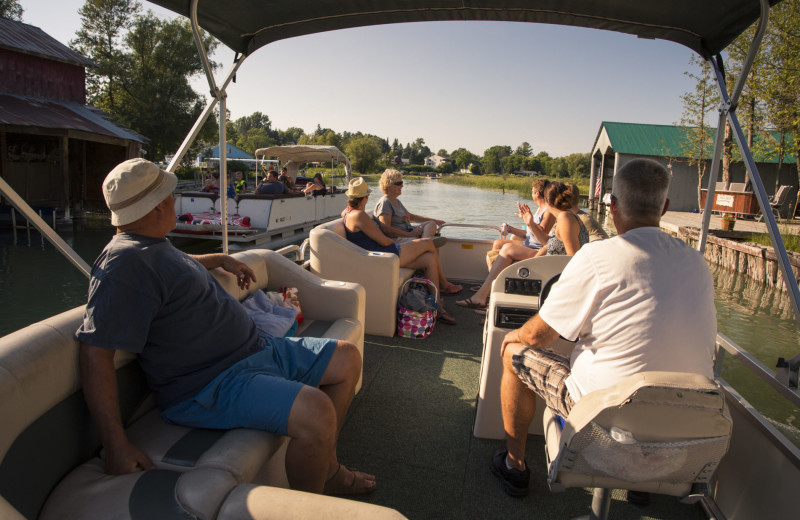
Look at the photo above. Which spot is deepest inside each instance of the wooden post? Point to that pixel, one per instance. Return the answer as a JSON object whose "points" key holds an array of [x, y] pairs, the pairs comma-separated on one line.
{"points": [[65, 173]]}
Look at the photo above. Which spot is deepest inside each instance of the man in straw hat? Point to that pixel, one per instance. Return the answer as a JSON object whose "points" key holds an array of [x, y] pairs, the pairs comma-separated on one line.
{"points": [[199, 349]]}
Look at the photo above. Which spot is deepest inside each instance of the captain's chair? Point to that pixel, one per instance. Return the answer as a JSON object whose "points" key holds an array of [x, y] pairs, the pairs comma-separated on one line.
{"points": [[658, 432]]}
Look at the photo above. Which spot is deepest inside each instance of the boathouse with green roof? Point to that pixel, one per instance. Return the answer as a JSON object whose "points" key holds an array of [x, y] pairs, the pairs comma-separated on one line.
{"points": [[618, 143]]}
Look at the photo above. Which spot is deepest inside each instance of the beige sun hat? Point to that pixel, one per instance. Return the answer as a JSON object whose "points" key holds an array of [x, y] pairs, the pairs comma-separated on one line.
{"points": [[134, 188], [358, 188]]}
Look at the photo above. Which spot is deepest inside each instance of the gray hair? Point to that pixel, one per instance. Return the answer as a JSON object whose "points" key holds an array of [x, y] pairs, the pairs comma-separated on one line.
{"points": [[640, 188]]}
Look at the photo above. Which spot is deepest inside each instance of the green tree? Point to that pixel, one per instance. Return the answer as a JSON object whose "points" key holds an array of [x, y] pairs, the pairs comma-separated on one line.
{"points": [[156, 99], [254, 139], [363, 152], [782, 78], [492, 158], [696, 107], [578, 165], [290, 136], [100, 37], [11, 9], [524, 150], [463, 158]]}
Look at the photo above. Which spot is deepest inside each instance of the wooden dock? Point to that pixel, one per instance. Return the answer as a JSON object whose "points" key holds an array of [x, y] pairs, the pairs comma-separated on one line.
{"points": [[673, 220], [731, 250]]}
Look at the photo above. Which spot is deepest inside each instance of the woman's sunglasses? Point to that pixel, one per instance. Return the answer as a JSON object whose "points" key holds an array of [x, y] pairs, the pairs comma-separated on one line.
{"points": [[398, 183]]}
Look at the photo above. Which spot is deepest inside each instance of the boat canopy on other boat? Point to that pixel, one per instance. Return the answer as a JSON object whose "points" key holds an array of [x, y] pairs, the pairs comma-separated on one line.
{"points": [[294, 155]]}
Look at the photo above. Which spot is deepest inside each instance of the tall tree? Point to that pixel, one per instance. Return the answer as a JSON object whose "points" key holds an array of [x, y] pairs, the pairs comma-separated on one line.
{"points": [[783, 71], [696, 107], [155, 97], [363, 152], [492, 158], [100, 38], [524, 149], [11, 9]]}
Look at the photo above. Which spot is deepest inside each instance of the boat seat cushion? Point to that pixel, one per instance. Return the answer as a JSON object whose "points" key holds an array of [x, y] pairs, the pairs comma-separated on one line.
{"points": [[88, 493]]}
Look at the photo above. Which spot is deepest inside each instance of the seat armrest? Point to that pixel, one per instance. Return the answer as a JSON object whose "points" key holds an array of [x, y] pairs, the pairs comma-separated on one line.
{"points": [[314, 293], [268, 503]]}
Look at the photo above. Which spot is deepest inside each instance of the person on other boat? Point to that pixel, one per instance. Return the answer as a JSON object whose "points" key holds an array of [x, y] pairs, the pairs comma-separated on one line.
{"points": [[538, 224], [569, 237], [270, 185], [199, 349], [395, 219], [364, 232], [212, 184], [316, 187], [596, 231], [290, 187], [239, 183], [625, 302]]}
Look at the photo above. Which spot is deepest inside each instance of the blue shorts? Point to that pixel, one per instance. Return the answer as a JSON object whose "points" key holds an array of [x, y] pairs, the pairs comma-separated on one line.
{"points": [[257, 392]]}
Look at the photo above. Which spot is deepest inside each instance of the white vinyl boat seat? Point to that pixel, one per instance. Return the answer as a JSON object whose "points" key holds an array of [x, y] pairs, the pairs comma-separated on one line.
{"points": [[657, 432], [51, 465], [333, 257]]}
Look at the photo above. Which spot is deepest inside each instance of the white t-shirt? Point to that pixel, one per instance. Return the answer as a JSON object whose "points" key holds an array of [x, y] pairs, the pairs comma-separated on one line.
{"points": [[637, 302]]}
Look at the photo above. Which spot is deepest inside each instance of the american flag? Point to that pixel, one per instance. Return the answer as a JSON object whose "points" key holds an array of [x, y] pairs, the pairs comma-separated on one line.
{"points": [[598, 185]]}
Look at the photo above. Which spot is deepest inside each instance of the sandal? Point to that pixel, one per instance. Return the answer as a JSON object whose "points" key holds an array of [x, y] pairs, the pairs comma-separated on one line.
{"points": [[445, 317], [468, 303], [452, 289], [362, 483]]}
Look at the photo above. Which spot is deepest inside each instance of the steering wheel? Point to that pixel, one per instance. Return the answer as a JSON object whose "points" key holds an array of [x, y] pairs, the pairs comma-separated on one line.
{"points": [[546, 289]]}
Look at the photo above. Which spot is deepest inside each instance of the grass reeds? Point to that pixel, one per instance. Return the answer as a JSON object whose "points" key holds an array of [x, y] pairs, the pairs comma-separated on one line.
{"points": [[790, 239], [521, 185]]}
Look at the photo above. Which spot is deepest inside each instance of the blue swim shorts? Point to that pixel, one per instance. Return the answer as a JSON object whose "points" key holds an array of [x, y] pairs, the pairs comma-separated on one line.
{"points": [[258, 391]]}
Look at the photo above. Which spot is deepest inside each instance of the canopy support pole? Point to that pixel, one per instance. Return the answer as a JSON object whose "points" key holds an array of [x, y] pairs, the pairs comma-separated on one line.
{"points": [[219, 96], [201, 120], [728, 110]]}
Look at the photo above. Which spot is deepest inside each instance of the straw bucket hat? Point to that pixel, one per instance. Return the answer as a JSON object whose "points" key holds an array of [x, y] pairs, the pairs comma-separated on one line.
{"points": [[134, 188], [358, 188]]}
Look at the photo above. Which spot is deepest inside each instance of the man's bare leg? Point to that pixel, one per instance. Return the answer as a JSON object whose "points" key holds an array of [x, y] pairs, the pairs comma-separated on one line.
{"points": [[518, 404], [319, 414]]}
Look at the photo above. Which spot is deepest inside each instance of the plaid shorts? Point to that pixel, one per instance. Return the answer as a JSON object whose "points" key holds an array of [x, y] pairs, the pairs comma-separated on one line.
{"points": [[545, 372]]}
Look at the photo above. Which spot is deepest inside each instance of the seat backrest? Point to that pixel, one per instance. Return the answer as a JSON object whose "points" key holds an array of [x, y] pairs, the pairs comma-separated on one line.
{"points": [[336, 226], [737, 186], [781, 195], [655, 431]]}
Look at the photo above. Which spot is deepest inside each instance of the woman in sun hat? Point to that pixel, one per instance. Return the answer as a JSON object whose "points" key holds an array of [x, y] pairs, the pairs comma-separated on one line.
{"points": [[364, 232]]}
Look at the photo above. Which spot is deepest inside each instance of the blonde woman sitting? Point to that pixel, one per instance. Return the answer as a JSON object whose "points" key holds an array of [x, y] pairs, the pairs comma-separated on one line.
{"points": [[395, 220], [362, 230]]}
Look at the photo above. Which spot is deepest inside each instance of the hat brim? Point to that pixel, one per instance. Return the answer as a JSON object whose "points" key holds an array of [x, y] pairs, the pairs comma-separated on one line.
{"points": [[153, 198]]}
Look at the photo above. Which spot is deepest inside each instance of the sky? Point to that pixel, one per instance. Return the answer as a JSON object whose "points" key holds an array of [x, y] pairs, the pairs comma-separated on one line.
{"points": [[454, 84]]}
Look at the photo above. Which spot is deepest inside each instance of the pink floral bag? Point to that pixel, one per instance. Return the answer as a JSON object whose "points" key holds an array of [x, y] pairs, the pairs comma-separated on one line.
{"points": [[417, 308]]}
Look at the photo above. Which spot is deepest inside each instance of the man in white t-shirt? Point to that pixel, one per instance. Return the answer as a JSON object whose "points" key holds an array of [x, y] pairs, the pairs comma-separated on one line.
{"points": [[641, 301]]}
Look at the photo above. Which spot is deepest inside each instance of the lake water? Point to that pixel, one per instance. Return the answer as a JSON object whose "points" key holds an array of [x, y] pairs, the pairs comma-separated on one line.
{"points": [[37, 282]]}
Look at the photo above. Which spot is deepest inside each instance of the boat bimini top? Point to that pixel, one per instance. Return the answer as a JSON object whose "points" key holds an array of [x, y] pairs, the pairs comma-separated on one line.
{"points": [[303, 153]]}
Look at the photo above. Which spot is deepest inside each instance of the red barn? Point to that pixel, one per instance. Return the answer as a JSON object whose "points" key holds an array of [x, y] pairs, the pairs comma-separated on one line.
{"points": [[54, 150]]}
